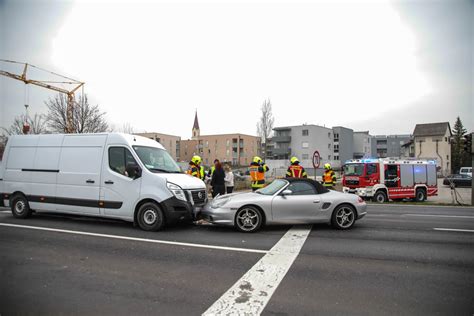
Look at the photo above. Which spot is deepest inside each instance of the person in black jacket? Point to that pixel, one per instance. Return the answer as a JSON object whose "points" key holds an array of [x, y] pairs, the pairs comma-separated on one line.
{"points": [[217, 180]]}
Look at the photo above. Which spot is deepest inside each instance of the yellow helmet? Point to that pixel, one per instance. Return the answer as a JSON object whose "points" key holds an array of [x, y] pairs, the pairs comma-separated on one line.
{"points": [[327, 166], [294, 159], [257, 159], [196, 159]]}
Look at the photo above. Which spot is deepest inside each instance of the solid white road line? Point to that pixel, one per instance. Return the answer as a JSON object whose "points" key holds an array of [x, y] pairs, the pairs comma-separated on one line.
{"points": [[435, 215], [165, 242], [250, 294], [455, 230]]}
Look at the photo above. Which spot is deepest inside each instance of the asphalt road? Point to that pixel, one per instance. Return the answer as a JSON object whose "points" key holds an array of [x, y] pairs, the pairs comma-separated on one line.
{"points": [[391, 262]]}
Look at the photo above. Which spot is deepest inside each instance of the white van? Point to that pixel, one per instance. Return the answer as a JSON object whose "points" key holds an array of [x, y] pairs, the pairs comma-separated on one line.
{"points": [[466, 171], [105, 175]]}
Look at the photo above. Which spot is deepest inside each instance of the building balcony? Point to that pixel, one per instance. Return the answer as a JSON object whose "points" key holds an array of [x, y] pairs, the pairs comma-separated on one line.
{"points": [[281, 151], [281, 139]]}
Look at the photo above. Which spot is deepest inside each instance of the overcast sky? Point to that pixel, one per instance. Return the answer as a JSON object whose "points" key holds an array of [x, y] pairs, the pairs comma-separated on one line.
{"points": [[371, 65]]}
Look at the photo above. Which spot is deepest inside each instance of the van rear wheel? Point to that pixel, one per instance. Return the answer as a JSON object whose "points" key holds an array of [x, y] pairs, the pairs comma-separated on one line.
{"points": [[150, 217], [20, 207]]}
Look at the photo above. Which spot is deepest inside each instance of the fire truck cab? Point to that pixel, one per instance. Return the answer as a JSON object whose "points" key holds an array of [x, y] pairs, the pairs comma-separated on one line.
{"points": [[386, 178]]}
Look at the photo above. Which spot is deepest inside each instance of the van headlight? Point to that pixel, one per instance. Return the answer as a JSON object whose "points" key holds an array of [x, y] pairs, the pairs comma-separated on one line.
{"points": [[177, 191], [216, 203]]}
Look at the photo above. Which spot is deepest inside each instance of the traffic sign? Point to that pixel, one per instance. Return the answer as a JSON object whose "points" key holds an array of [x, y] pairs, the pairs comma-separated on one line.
{"points": [[316, 159]]}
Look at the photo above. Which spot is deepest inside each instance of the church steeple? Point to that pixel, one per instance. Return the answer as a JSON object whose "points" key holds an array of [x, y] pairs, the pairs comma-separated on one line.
{"points": [[196, 130]]}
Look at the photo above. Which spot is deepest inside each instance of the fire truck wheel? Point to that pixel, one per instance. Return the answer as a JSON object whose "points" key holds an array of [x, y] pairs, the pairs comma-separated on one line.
{"points": [[420, 195], [380, 197]]}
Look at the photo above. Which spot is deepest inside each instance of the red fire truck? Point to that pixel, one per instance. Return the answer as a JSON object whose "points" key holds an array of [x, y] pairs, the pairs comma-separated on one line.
{"points": [[395, 179]]}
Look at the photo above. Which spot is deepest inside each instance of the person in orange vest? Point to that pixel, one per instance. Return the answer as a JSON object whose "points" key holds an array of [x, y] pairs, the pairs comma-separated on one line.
{"points": [[257, 170], [295, 170], [329, 177], [195, 168]]}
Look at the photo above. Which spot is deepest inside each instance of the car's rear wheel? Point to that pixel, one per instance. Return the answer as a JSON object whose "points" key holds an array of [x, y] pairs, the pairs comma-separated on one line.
{"points": [[150, 217], [20, 206], [380, 197], [343, 217], [248, 219]]}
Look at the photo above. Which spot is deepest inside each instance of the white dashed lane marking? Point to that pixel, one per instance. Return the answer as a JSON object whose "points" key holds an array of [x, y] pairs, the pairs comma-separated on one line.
{"points": [[455, 230], [250, 294]]}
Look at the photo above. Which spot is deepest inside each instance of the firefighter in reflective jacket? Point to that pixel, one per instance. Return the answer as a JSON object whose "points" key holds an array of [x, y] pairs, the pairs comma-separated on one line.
{"points": [[295, 170], [257, 173], [329, 177], [195, 168]]}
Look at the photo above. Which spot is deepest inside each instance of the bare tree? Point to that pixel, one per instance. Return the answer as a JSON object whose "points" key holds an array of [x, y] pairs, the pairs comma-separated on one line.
{"points": [[87, 118], [38, 125], [265, 124], [127, 128]]}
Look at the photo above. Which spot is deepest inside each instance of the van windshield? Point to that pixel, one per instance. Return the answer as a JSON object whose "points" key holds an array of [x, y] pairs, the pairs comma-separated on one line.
{"points": [[156, 159], [354, 169]]}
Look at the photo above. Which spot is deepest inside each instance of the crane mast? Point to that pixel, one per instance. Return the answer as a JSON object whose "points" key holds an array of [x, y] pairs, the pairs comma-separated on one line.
{"points": [[48, 85]]}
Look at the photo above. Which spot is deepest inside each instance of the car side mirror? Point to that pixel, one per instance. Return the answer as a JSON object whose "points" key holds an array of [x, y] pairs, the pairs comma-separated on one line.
{"points": [[286, 192]]}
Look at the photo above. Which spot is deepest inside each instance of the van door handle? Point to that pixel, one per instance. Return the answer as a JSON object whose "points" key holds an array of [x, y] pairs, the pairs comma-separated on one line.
{"points": [[316, 201], [109, 182], [90, 181]]}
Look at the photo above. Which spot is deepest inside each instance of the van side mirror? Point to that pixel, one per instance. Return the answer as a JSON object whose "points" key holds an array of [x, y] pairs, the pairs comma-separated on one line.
{"points": [[138, 172], [286, 192]]}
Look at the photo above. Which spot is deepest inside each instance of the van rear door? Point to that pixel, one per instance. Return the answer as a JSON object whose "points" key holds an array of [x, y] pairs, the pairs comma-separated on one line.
{"points": [[78, 188]]}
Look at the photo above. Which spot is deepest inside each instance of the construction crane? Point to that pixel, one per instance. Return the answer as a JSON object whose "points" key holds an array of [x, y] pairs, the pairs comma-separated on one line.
{"points": [[51, 85]]}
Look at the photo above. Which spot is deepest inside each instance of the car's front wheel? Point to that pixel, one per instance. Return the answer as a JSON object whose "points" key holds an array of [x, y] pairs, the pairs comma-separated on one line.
{"points": [[248, 219], [343, 217], [150, 217]]}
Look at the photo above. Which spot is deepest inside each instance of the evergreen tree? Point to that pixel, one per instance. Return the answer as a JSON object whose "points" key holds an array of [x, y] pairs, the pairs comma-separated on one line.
{"points": [[458, 157]]}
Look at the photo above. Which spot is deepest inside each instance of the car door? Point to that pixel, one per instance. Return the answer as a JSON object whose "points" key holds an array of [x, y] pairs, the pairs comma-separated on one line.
{"points": [[302, 205], [120, 182]]}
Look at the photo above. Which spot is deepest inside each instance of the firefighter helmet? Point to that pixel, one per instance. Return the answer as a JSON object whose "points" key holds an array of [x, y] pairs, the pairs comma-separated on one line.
{"points": [[294, 159], [196, 159], [327, 166], [257, 159]]}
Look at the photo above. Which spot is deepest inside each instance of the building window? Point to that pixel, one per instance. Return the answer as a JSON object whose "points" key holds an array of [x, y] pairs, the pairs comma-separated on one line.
{"points": [[304, 144], [228, 143], [329, 146], [336, 157], [305, 132], [329, 135], [329, 157], [447, 157]]}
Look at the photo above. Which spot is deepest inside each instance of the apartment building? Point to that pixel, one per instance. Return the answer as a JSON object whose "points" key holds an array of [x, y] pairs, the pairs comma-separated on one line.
{"points": [[172, 143], [390, 145], [236, 149]]}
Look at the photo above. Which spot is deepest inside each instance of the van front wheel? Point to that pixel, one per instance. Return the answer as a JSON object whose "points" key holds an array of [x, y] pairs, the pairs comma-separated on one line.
{"points": [[20, 207], [150, 217]]}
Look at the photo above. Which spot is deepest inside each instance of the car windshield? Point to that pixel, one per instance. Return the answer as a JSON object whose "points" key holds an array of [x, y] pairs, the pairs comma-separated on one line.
{"points": [[273, 187], [354, 169], [156, 159]]}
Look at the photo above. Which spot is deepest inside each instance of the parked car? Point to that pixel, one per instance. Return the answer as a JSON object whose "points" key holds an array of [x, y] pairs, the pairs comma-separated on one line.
{"points": [[109, 175], [466, 170], [458, 180], [286, 201]]}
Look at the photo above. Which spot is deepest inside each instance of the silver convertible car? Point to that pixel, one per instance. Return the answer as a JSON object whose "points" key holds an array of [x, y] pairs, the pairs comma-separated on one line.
{"points": [[286, 201]]}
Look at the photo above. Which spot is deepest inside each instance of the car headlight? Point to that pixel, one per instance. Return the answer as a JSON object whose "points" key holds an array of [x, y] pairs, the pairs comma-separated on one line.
{"points": [[177, 191], [216, 203]]}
